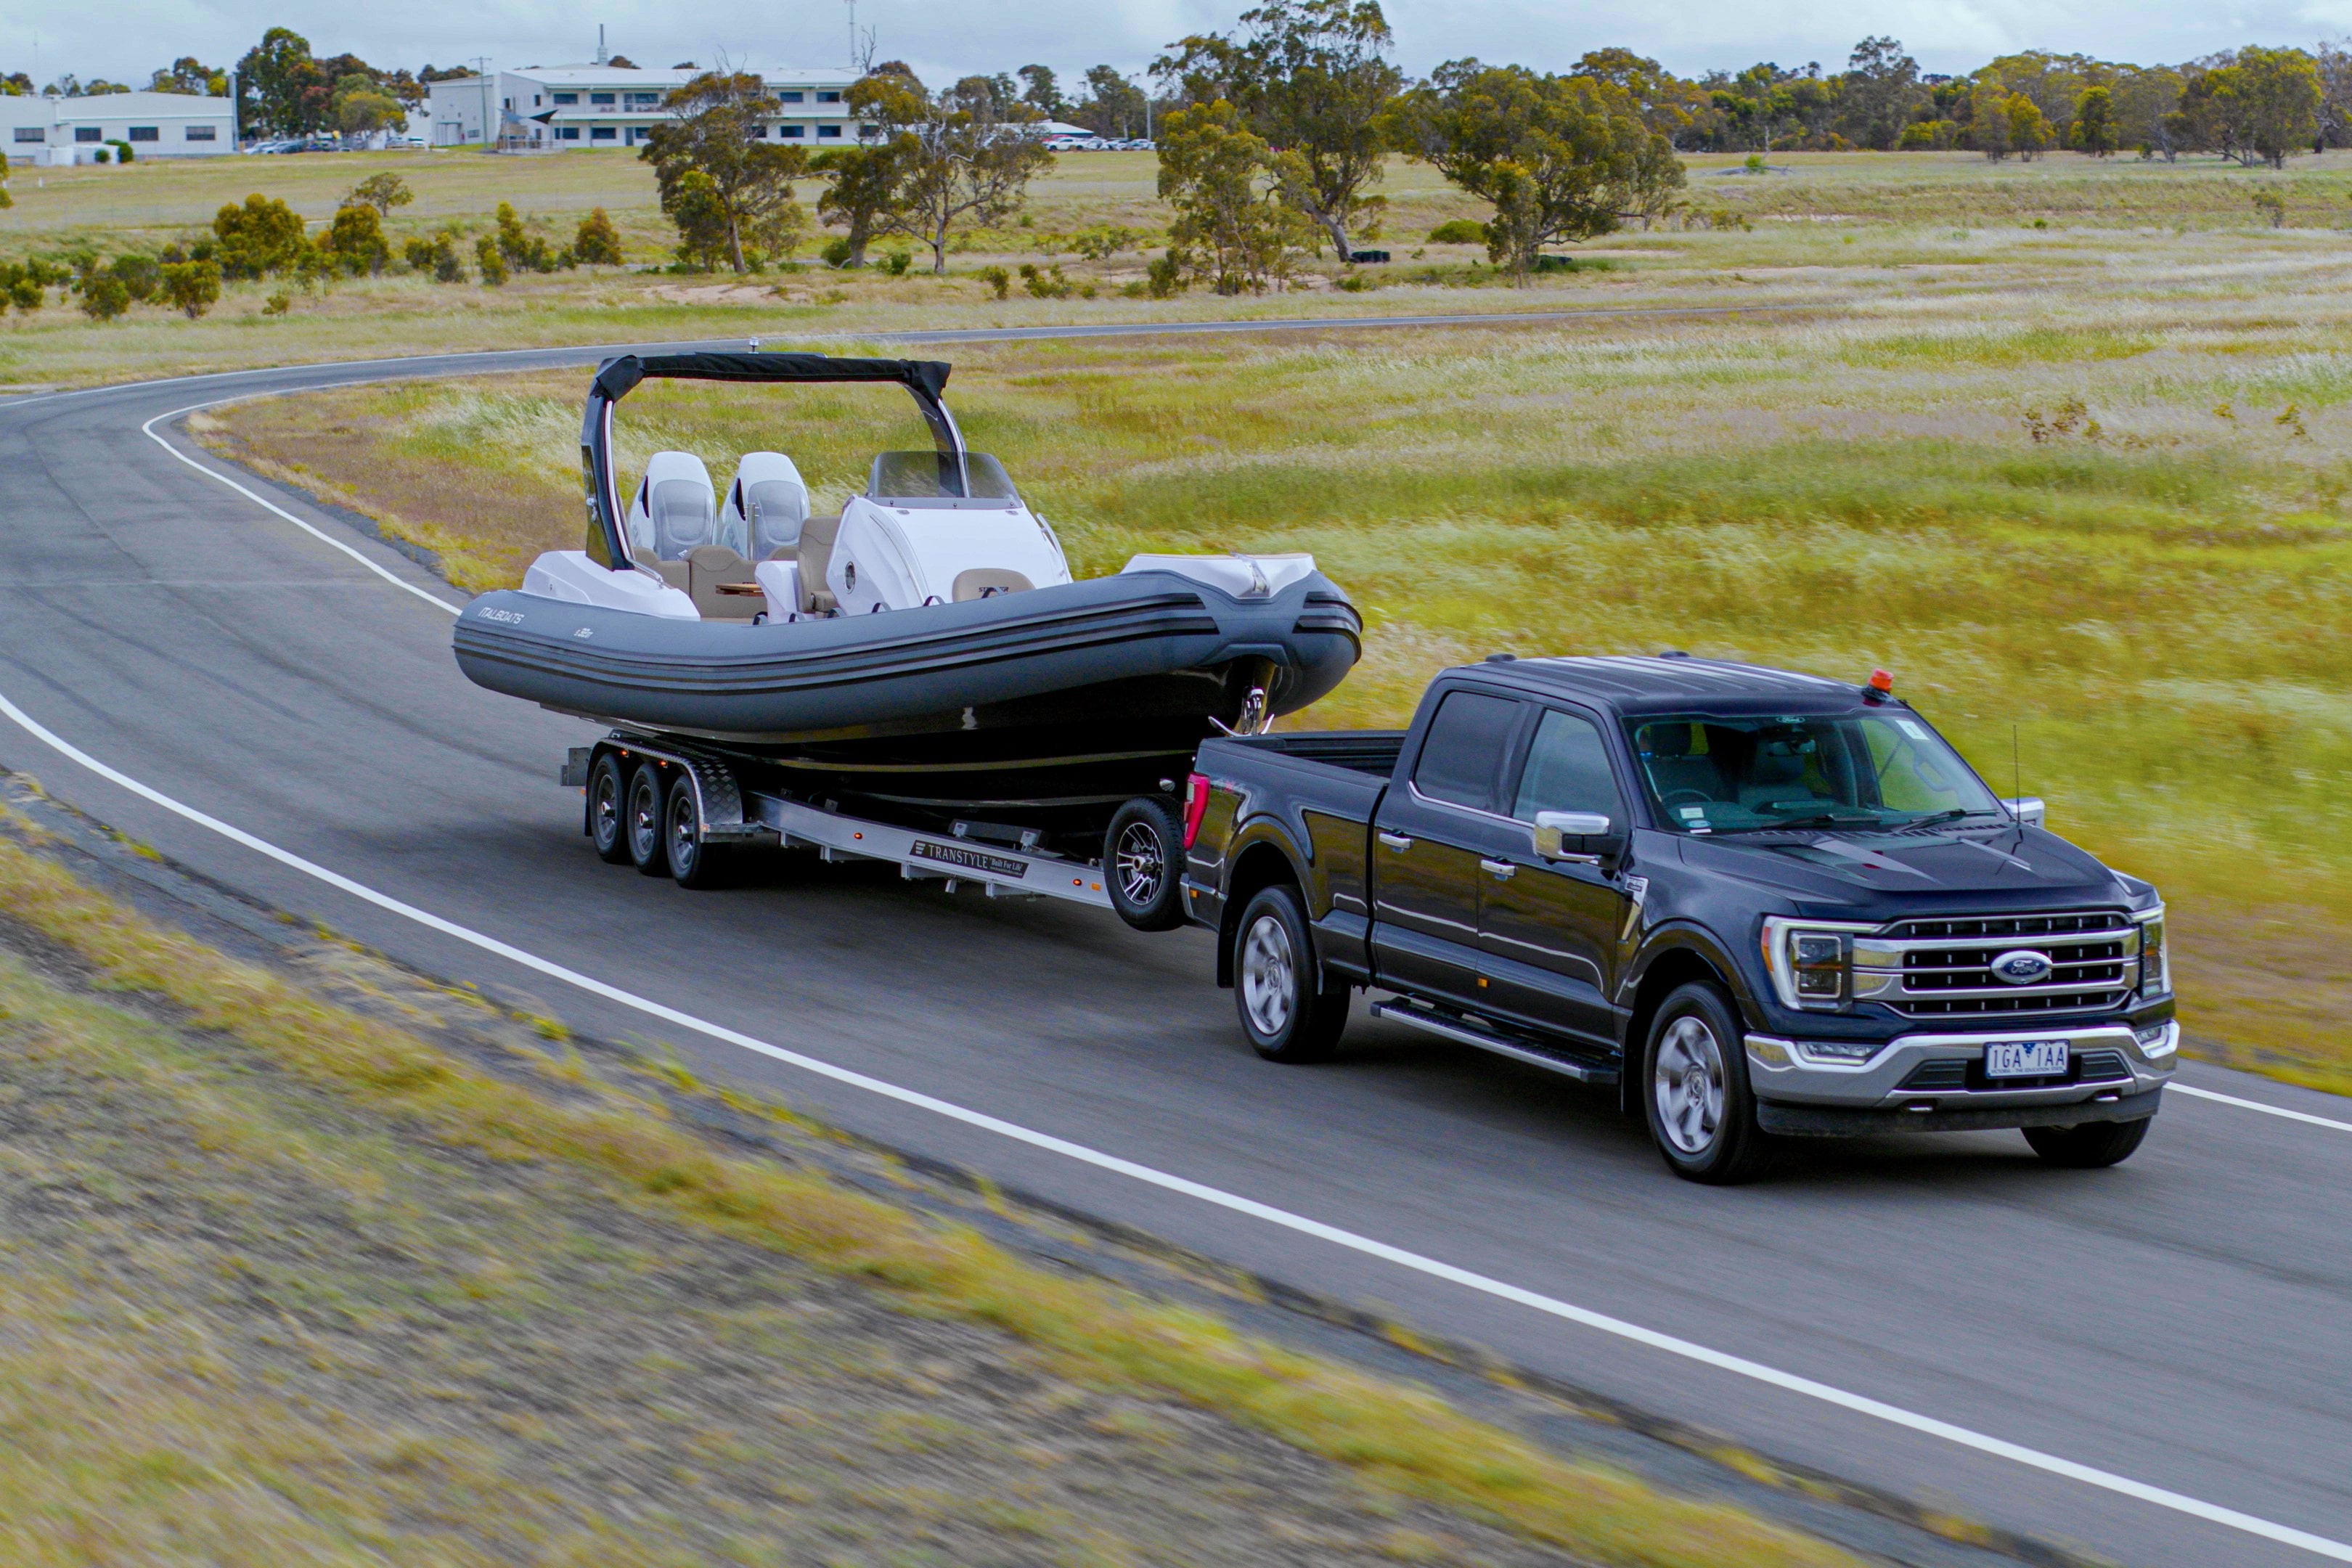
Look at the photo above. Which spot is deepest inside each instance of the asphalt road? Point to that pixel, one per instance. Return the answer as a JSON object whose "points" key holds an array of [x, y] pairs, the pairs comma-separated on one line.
{"points": [[1901, 1312]]}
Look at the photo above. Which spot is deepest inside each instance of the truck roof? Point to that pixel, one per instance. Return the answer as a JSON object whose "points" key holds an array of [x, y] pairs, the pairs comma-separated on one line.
{"points": [[1656, 683]]}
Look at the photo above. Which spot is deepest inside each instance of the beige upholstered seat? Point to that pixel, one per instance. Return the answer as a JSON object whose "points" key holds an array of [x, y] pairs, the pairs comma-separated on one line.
{"points": [[818, 535], [709, 569], [985, 582]]}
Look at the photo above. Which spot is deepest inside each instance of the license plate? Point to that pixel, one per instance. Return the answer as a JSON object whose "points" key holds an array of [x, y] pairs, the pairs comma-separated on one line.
{"points": [[2026, 1058]]}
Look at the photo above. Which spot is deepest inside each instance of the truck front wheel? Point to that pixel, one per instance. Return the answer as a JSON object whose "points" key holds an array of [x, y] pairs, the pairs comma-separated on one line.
{"points": [[1288, 1016], [1702, 1113]]}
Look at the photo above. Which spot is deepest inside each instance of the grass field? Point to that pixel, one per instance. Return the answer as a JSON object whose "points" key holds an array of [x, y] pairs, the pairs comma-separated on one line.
{"points": [[425, 1284], [2093, 489]]}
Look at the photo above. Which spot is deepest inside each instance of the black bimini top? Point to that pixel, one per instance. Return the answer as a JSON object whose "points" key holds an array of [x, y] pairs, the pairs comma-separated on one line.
{"points": [[926, 379]]}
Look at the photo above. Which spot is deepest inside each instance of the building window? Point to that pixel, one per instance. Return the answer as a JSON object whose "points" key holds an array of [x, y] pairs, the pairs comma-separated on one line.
{"points": [[865, 132], [31, 133], [88, 133], [567, 98], [600, 97], [567, 133], [794, 132], [645, 99], [146, 133], [791, 97], [198, 133], [602, 133], [828, 97], [825, 130], [758, 131]]}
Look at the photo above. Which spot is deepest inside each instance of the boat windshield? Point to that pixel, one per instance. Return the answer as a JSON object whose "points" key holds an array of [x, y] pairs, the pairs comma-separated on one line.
{"points": [[929, 478], [1874, 768]]}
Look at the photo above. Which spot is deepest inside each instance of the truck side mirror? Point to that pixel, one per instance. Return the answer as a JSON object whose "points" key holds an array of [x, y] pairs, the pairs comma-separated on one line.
{"points": [[2026, 808], [1561, 835]]}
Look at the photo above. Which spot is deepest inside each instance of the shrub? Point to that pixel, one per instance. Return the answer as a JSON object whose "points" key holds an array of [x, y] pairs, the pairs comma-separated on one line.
{"points": [[102, 156], [1164, 279], [278, 304], [103, 297], [25, 295], [491, 260], [437, 256], [999, 280], [1103, 241], [1047, 285], [1459, 231], [896, 262], [597, 243], [122, 153], [356, 240], [519, 248], [191, 288], [836, 254], [382, 192], [259, 239], [140, 275]]}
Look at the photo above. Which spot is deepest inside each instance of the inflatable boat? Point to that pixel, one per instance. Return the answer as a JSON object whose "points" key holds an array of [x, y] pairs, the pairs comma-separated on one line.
{"points": [[925, 644]]}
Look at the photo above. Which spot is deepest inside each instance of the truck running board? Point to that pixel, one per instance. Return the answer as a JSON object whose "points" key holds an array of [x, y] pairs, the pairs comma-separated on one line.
{"points": [[1584, 1069]]}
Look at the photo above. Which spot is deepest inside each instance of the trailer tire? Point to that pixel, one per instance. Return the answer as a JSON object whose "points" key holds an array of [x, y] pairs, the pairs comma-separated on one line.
{"points": [[608, 810], [1288, 1012], [693, 863], [642, 823], [1143, 864]]}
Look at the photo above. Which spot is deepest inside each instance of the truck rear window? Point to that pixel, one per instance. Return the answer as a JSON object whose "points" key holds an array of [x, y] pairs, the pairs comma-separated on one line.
{"points": [[1464, 750]]}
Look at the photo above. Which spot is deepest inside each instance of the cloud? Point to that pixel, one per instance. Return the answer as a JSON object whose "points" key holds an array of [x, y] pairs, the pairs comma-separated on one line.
{"points": [[125, 39]]}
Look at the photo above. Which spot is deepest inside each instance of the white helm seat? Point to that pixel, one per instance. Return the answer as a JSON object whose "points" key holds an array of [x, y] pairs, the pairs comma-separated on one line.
{"points": [[766, 507], [676, 508]]}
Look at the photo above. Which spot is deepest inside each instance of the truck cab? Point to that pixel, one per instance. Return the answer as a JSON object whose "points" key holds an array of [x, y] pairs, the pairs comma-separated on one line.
{"points": [[1764, 904]]}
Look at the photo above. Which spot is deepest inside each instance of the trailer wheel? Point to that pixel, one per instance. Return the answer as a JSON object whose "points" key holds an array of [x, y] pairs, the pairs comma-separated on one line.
{"points": [[1143, 864], [1288, 1016], [643, 821], [608, 809], [692, 862]]}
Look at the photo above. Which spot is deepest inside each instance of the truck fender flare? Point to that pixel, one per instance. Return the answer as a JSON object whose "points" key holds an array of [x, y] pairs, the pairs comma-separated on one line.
{"points": [[1252, 843]]}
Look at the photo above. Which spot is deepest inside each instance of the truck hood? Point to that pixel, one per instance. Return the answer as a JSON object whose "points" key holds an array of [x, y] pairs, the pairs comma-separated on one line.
{"points": [[2013, 868]]}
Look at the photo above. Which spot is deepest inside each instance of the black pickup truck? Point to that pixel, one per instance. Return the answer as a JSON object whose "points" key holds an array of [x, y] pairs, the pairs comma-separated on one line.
{"points": [[1760, 903]]}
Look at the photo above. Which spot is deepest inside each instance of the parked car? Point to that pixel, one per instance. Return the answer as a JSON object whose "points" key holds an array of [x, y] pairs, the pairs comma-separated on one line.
{"points": [[1760, 903]]}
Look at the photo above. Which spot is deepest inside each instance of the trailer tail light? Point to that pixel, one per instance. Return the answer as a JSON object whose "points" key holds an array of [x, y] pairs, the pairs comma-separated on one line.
{"points": [[1196, 805]]}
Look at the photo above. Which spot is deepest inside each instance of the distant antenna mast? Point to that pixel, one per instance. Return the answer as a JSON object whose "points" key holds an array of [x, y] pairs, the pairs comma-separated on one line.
{"points": [[602, 57], [853, 31]]}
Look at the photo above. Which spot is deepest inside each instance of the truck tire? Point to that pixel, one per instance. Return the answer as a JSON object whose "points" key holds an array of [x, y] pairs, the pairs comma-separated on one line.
{"points": [[692, 862], [1695, 1090], [608, 810], [1287, 1015], [1143, 864], [642, 822], [2088, 1145]]}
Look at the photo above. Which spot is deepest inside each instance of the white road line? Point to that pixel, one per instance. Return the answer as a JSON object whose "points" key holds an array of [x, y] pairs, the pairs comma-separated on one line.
{"points": [[2177, 1087], [1689, 1350], [148, 430]]}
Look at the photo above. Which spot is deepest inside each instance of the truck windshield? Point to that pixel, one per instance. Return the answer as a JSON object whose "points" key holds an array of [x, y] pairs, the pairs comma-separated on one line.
{"points": [[1880, 768]]}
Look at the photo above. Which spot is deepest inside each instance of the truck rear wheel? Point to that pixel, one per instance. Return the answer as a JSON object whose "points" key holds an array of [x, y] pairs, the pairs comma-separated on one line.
{"points": [[1695, 1090], [692, 862], [2088, 1145], [1287, 1015], [642, 823], [1143, 864], [608, 810]]}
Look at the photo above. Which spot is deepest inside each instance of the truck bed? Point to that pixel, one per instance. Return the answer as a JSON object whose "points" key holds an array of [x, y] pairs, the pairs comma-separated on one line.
{"points": [[1338, 771]]}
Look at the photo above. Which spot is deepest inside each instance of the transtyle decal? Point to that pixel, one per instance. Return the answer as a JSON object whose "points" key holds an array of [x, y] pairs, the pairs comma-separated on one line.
{"points": [[970, 860]]}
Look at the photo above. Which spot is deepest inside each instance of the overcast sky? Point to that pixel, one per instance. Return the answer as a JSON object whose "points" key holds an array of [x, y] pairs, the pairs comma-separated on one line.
{"points": [[125, 39]]}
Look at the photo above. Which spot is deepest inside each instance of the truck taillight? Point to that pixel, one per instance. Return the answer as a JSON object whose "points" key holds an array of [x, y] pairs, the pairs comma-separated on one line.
{"points": [[1196, 804]]}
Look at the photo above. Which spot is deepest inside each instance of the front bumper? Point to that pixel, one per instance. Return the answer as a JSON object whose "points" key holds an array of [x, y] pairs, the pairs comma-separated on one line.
{"points": [[1936, 1081]]}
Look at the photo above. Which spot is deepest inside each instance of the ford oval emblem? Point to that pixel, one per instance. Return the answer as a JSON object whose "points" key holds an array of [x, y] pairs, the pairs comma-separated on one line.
{"points": [[2023, 967]]}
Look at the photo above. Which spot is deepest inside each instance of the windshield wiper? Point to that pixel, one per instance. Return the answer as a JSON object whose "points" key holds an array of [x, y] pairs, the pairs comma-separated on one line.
{"points": [[1819, 819], [1954, 815]]}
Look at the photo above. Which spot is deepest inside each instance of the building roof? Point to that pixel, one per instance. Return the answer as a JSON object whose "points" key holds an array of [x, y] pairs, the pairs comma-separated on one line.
{"points": [[27, 108]]}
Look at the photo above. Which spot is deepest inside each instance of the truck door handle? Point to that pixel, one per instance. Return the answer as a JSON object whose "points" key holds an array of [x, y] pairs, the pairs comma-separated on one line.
{"points": [[1394, 840], [1504, 870]]}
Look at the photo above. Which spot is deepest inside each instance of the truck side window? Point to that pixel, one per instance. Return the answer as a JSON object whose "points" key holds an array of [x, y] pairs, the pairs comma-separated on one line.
{"points": [[1566, 770], [1464, 750]]}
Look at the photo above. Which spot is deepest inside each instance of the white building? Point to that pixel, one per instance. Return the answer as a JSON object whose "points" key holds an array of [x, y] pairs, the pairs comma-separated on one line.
{"points": [[153, 124], [552, 109]]}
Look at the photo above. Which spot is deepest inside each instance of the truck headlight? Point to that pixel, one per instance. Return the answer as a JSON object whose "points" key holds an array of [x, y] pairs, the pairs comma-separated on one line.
{"points": [[2154, 970], [1812, 963]]}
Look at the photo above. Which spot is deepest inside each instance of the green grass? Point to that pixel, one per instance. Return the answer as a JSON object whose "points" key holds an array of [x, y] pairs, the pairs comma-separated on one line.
{"points": [[316, 1343]]}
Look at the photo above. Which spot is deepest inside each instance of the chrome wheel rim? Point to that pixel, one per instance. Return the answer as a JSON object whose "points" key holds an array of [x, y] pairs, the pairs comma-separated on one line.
{"points": [[1142, 869], [1268, 976], [1686, 1085], [682, 841], [607, 809], [644, 821]]}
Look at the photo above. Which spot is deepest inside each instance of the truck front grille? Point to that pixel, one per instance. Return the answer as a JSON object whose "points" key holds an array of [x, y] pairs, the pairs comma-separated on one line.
{"points": [[1946, 963]]}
